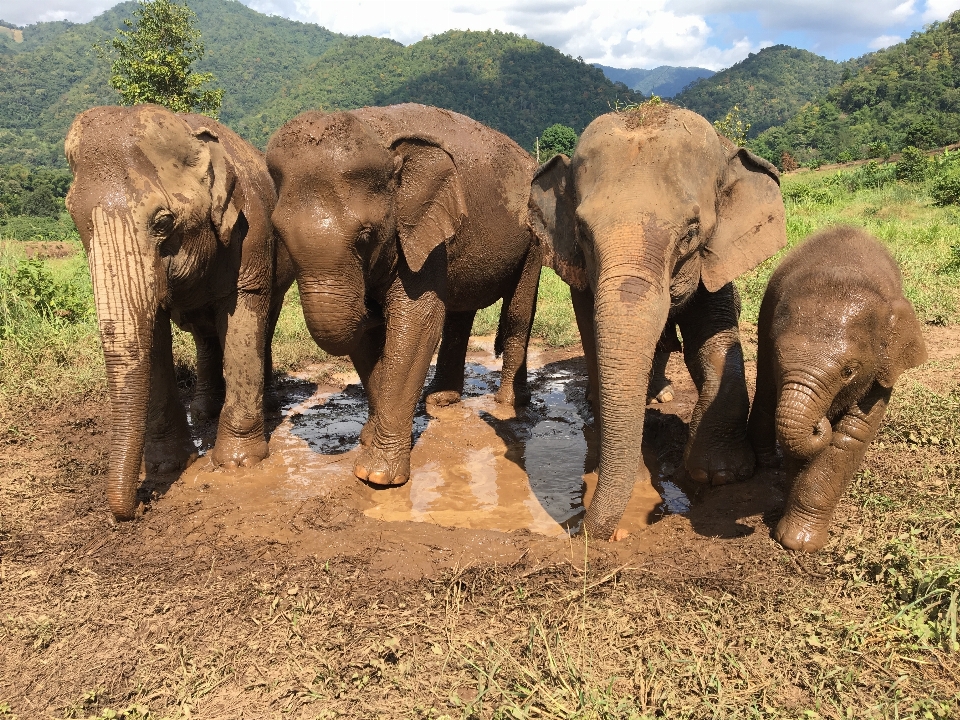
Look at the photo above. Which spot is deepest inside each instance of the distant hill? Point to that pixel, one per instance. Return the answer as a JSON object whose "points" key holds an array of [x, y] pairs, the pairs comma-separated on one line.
{"points": [[665, 80], [769, 86], [907, 94], [272, 68]]}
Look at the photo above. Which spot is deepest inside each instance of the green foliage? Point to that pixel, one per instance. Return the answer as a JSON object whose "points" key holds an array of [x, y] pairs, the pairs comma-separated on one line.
{"points": [[733, 127], [913, 165], [152, 59], [29, 288], [555, 140], [905, 95], [879, 149], [768, 87], [945, 189], [37, 191]]}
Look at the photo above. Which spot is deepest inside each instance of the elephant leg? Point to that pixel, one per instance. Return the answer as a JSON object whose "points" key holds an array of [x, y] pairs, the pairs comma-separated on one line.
{"points": [[447, 385], [209, 394], [718, 451], [241, 439], [415, 316], [168, 447], [366, 358], [660, 390], [821, 482], [762, 427], [583, 309], [513, 332]]}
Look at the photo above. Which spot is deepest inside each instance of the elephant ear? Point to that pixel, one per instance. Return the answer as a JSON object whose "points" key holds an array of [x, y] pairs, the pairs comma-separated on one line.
{"points": [[551, 217], [751, 226], [905, 347], [226, 192], [430, 205]]}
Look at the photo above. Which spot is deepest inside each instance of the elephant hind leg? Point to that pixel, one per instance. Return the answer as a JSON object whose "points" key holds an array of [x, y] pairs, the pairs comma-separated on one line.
{"points": [[660, 390], [513, 332], [210, 392], [447, 385]]}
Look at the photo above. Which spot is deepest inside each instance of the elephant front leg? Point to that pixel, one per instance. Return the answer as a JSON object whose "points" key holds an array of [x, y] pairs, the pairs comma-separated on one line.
{"points": [[660, 390], [168, 447], [415, 316], [820, 483], [241, 440], [583, 310], [718, 451], [366, 358], [447, 385]]}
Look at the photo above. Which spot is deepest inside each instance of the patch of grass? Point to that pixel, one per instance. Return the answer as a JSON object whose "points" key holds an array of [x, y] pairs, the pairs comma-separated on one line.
{"points": [[29, 228], [293, 347]]}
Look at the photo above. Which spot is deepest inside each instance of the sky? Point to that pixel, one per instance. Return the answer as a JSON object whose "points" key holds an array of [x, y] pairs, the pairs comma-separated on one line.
{"points": [[634, 33]]}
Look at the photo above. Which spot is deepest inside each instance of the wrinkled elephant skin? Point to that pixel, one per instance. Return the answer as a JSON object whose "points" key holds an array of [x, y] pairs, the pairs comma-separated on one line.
{"points": [[174, 214], [835, 333], [402, 222], [649, 223]]}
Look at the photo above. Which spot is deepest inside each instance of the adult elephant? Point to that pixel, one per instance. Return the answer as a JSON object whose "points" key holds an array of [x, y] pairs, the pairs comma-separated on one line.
{"points": [[652, 219], [174, 213], [403, 221]]}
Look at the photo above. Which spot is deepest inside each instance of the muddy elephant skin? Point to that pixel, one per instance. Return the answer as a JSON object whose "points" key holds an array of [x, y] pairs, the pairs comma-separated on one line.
{"points": [[651, 219], [835, 333], [174, 214], [402, 222]]}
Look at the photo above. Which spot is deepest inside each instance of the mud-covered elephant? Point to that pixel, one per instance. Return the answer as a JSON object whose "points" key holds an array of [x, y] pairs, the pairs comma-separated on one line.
{"points": [[174, 214], [402, 222], [653, 217], [835, 332]]}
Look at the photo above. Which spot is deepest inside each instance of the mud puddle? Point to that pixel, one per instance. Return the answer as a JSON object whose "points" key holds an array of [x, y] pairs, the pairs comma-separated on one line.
{"points": [[475, 464]]}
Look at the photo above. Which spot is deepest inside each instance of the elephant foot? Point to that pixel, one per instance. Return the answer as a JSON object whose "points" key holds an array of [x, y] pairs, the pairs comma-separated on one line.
{"points": [[442, 398], [166, 457], [802, 536], [232, 452], [664, 395], [712, 459], [382, 468], [205, 409], [506, 395]]}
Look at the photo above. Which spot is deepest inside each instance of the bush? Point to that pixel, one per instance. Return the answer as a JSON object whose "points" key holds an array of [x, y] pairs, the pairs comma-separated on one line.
{"points": [[879, 149], [28, 288], [946, 189], [913, 165]]}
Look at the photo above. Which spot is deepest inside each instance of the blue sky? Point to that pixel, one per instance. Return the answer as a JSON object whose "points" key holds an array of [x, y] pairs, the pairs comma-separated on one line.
{"points": [[707, 33]]}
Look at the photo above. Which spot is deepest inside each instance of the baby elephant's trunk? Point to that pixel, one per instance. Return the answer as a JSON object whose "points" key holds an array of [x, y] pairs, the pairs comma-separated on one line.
{"points": [[803, 429]]}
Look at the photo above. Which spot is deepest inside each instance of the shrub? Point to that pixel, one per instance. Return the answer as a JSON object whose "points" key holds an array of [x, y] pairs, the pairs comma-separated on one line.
{"points": [[879, 149], [845, 157], [788, 162], [946, 189], [913, 165]]}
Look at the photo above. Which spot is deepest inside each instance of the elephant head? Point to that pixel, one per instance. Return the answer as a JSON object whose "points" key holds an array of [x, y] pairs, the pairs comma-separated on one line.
{"points": [[652, 204], [367, 202], [153, 199]]}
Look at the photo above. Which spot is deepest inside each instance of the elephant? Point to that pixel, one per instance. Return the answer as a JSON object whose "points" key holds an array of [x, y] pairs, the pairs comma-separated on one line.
{"points": [[834, 333], [174, 214], [402, 222], [649, 223]]}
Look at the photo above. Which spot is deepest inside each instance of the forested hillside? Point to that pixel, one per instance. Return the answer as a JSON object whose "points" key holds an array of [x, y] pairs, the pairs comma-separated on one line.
{"points": [[769, 86], [908, 94], [665, 80], [272, 68]]}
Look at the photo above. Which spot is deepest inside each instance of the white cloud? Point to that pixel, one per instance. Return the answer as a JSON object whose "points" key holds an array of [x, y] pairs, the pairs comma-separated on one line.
{"points": [[939, 9], [878, 43], [23, 12]]}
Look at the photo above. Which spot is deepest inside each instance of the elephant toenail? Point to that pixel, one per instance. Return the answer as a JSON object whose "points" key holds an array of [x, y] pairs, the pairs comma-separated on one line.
{"points": [[361, 472], [699, 475]]}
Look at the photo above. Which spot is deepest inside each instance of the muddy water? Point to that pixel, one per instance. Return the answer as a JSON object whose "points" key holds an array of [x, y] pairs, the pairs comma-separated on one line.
{"points": [[475, 464]]}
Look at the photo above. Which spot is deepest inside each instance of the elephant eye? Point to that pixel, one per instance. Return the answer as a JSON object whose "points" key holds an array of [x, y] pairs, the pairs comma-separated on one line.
{"points": [[848, 372], [163, 223]]}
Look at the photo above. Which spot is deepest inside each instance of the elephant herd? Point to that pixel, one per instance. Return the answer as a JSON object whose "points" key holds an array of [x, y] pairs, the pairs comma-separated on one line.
{"points": [[400, 223]]}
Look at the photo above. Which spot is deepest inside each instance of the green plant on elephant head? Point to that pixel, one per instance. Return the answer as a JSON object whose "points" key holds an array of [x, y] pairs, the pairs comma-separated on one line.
{"points": [[174, 213], [652, 218]]}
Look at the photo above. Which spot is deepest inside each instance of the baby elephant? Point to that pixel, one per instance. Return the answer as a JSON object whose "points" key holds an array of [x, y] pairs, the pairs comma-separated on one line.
{"points": [[835, 332]]}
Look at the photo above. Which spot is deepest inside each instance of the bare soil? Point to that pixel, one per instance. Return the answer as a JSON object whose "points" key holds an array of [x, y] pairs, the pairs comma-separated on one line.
{"points": [[292, 589]]}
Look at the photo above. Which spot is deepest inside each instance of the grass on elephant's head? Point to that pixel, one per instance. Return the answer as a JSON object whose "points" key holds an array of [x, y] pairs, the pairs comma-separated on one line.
{"points": [[923, 238]]}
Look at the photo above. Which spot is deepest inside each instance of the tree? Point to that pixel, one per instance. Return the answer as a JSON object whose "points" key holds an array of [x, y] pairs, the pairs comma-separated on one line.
{"points": [[152, 59], [557, 139], [733, 127]]}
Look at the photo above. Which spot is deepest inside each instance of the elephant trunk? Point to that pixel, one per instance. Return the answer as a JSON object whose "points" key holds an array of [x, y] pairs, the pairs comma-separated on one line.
{"points": [[803, 428], [126, 297], [631, 307], [334, 307]]}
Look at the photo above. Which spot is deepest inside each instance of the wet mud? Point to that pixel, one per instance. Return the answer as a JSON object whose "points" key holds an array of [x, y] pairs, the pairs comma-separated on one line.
{"points": [[475, 464]]}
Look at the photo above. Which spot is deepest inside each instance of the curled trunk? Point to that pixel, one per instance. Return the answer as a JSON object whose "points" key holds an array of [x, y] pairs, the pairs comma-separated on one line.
{"points": [[126, 298], [803, 428]]}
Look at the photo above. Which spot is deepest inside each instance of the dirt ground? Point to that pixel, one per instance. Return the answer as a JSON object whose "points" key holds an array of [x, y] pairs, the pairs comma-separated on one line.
{"points": [[293, 590]]}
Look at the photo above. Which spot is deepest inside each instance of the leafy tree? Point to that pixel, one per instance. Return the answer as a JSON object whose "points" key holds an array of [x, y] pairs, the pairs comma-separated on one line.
{"points": [[913, 166], [733, 127], [557, 139], [152, 59]]}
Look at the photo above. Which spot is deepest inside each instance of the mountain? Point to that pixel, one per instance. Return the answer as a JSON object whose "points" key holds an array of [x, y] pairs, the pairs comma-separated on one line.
{"points": [[665, 80], [272, 68], [907, 94], [769, 86]]}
